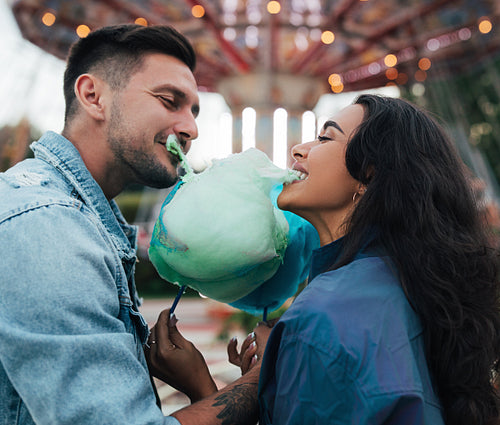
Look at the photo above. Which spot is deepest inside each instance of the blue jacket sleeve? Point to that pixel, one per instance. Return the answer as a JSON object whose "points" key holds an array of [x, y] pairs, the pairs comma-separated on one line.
{"points": [[302, 386], [307, 383], [63, 347]]}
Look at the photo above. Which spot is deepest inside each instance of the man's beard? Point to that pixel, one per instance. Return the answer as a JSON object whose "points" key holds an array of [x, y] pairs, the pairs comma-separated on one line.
{"points": [[137, 165]]}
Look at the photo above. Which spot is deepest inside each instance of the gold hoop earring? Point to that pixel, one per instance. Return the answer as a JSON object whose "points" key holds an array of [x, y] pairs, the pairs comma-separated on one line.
{"points": [[354, 197]]}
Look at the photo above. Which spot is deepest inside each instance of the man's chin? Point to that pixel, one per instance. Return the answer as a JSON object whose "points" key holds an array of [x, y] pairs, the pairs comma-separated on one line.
{"points": [[165, 184], [160, 180]]}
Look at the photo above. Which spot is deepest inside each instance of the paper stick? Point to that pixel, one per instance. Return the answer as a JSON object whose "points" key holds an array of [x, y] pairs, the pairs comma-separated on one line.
{"points": [[264, 316], [177, 298]]}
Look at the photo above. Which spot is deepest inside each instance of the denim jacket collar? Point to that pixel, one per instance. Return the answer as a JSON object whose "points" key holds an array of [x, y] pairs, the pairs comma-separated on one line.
{"points": [[63, 155]]}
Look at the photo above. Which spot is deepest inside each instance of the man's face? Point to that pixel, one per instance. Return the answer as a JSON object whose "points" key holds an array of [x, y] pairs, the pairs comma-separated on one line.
{"points": [[159, 100]]}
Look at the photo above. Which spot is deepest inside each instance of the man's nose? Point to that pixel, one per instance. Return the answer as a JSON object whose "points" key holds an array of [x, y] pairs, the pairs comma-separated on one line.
{"points": [[186, 129]]}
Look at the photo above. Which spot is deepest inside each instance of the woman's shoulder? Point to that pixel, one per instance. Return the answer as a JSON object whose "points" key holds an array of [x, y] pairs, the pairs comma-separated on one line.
{"points": [[368, 280], [361, 297]]}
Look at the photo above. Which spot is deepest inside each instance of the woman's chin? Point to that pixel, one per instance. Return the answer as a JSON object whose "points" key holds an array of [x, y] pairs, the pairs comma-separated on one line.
{"points": [[282, 201]]}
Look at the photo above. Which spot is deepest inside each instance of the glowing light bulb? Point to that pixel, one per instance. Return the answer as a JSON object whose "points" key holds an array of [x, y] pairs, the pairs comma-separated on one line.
{"points": [[141, 21], [390, 60], [424, 64], [337, 88], [420, 75], [327, 37], [334, 79], [273, 7], [48, 19], [391, 73], [485, 26], [402, 79], [198, 11], [82, 31]]}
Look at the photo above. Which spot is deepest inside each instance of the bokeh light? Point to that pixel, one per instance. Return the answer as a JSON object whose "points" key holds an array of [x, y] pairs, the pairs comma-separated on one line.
{"points": [[424, 64], [337, 88], [141, 21], [485, 26], [418, 89], [327, 37], [82, 31], [420, 75], [334, 79], [402, 79], [198, 11], [390, 60], [48, 19], [391, 73], [273, 7], [433, 44]]}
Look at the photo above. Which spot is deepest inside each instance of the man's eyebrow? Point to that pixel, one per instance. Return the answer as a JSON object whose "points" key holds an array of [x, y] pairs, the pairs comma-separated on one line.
{"points": [[331, 123], [195, 109]]}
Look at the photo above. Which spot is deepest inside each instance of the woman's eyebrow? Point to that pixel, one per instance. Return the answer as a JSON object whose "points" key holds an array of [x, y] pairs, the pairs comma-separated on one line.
{"points": [[331, 123]]}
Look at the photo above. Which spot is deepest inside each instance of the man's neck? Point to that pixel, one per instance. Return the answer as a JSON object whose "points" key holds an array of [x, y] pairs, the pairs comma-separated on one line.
{"points": [[96, 156]]}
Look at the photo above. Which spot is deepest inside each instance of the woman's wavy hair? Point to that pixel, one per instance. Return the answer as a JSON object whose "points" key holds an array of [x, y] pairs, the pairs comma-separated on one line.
{"points": [[418, 194]]}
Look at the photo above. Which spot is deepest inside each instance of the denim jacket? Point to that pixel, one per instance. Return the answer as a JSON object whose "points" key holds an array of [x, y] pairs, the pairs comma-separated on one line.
{"points": [[70, 334]]}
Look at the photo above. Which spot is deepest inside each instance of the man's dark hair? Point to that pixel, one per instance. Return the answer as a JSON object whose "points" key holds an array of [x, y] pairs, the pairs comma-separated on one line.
{"points": [[115, 53]]}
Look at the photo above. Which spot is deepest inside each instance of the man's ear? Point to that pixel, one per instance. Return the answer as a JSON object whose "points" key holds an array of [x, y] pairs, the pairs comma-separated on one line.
{"points": [[89, 92]]}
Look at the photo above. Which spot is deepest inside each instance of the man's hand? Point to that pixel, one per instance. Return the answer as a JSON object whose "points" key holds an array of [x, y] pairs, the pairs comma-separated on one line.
{"points": [[176, 361]]}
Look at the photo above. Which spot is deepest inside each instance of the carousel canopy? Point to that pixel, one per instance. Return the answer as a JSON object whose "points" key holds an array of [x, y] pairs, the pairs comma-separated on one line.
{"points": [[344, 44]]}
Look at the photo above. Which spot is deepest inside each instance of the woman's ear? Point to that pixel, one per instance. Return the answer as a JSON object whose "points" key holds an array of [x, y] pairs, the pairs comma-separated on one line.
{"points": [[89, 92]]}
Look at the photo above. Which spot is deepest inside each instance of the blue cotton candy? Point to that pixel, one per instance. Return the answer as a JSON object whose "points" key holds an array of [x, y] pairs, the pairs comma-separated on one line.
{"points": [[271, 294], [221, 233]]}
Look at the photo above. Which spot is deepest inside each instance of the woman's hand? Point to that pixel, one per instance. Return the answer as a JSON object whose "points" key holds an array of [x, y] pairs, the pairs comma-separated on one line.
{"points": [[176, 361], [247, 357], [252, 348]]}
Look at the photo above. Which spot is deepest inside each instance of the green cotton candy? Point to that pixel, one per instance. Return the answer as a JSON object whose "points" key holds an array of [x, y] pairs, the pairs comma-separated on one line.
{"points": [[220, 234], [174, 147]]}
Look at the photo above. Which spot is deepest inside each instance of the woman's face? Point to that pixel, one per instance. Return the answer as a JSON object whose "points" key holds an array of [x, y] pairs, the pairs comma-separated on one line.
{"points": [[325, 196]]}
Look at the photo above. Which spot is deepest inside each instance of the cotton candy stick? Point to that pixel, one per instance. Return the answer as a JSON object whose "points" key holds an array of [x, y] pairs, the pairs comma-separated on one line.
{"points": [[181, 291]]}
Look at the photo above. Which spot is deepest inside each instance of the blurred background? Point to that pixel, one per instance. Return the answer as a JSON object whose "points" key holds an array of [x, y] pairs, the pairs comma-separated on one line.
{"points": [[270, 73]]}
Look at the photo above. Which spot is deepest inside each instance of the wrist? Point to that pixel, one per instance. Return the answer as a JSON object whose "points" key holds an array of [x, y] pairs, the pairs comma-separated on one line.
{"points": [[206, 389]]}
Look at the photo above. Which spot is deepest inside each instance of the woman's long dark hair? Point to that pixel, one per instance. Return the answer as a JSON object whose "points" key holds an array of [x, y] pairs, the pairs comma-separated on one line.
{"points": [[418, 195]]}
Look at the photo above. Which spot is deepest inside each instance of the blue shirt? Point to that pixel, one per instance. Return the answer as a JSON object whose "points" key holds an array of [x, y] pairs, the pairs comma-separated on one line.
{"points": [[70, 334], [348, 351]]}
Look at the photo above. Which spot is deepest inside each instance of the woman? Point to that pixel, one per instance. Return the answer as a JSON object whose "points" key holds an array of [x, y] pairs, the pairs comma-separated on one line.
{"points": [[400, 322]]}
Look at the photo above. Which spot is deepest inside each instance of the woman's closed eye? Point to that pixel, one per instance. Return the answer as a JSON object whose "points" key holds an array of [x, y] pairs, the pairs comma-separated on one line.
{"points": [[324, 138]]}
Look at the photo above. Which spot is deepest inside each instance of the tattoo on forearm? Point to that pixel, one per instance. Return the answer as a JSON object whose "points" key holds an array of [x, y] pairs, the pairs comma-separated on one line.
{"points": [[240, 405]]}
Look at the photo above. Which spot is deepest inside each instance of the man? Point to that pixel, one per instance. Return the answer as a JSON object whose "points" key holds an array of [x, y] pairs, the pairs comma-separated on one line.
{"points": [[71, 338]]}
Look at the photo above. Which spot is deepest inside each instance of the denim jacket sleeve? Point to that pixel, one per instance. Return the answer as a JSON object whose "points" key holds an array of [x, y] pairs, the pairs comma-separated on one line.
{"points": [[63, 347]]}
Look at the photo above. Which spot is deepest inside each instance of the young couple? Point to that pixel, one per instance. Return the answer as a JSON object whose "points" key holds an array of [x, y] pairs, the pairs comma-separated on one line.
{"points": [[399, 323]]}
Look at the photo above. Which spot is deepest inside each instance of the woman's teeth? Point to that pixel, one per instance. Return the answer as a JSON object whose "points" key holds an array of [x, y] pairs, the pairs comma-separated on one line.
{"points": [[300, 175]]}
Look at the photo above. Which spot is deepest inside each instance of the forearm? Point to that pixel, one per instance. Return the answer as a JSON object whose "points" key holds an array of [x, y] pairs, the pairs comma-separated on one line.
{"points": [[235, 404]]}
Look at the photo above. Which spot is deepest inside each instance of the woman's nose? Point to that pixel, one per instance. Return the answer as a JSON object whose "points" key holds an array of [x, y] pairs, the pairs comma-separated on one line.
{"points": [[300, 151]]}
